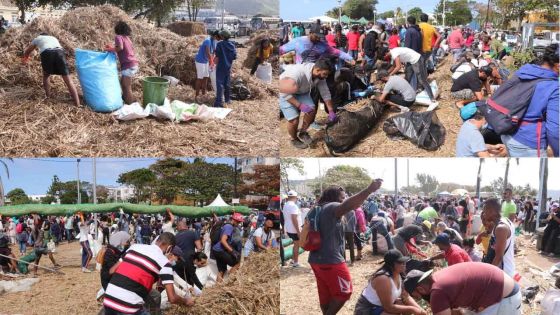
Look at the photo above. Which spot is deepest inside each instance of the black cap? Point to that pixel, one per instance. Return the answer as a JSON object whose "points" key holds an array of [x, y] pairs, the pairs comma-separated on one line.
{"points": [[393, 255], [413, 278]]}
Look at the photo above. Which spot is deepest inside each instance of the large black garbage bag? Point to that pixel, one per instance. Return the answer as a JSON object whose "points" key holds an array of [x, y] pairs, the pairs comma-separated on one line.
{"points": [[423, 129], [239, 90], [422, 265], [351, 127]]}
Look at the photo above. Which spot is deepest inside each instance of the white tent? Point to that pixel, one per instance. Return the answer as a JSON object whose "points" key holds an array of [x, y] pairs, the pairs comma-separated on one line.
{"points": [[324, 19], [444, 193], [218, 202], [459, 192]]}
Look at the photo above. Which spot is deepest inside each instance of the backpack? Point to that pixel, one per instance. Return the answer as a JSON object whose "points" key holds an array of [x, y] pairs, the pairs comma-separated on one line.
{"points": [[504, 111], [216, 232], [312, 241], [19, 228]]}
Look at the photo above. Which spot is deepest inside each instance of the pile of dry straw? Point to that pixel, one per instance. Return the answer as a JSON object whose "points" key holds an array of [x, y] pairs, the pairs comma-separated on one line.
{"points": [[187, 28], [253, 289], [255, 42]]}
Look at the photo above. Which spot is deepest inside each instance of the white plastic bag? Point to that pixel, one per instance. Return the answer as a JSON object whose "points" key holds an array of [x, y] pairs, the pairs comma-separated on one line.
{"points": [[264, 72], [131, 112], [213, 78], [423, 99], [172, 80]]}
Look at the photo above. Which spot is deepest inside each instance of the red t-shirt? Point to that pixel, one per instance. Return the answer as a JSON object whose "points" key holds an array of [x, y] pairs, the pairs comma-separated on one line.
{"points": [[330, 40], [353, 40], [393, 41], [472, 285], [455, 255]]}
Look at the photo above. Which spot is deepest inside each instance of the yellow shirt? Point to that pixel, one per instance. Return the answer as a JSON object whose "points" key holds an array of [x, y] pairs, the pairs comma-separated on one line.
{"points": [[266, 52], [428, 32]]}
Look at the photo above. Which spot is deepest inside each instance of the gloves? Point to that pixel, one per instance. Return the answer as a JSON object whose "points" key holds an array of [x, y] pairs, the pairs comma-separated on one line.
{"points": [[305, 108], [332, 116]]}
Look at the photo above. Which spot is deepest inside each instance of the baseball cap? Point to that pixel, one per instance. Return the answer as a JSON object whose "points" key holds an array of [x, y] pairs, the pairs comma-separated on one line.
{"points": [[442, 238], [428, 224], [292, 193], [177, 251], [119, 238], [413, 278], [237, 217], [394, 255], [225, 34]]}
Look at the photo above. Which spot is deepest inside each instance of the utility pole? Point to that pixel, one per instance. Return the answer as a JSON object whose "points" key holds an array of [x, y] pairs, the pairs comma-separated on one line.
{"points": [[78, 182], [443, 15], [487, 14], [320, 176], [339, 11], [543, 181], [94, 183], [407, 172], [235, 178], [396, 184], [223, 12]]}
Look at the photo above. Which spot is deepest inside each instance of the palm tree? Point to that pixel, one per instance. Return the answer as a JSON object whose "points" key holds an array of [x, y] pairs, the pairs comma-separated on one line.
{"points": [[398, 12], [479, 178], [2, 197]]}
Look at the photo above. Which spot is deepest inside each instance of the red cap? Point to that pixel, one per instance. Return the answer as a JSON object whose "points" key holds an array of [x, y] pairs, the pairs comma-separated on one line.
{"points": [[237, 217]]}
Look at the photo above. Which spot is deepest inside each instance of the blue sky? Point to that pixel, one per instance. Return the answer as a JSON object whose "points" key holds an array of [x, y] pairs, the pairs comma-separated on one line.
{"points": [[304, 9], [34, 175]]}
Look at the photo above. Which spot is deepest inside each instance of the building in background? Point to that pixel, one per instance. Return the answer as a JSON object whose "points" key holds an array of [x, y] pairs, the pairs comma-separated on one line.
{"points": [[10, 12], [120, 193], [246, 164]]}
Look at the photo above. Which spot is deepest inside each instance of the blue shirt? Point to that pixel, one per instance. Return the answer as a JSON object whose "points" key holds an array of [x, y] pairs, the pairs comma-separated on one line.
{"points": [[201, 55], [469, 141], [226, 53], [226, 230]]}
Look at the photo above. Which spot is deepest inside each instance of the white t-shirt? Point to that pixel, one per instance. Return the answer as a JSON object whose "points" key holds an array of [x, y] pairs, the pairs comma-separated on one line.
{"points": [[265, 237], [291, 208], [44, 42], [406, 55], [168, 227], [84, 231]]}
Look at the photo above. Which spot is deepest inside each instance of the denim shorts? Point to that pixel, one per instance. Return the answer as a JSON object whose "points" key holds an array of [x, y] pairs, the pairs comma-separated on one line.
{"points": [[518, 149], [289, 111], [130, 72]]}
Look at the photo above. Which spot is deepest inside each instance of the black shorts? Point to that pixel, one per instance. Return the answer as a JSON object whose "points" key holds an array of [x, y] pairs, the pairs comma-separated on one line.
{"points": [[54, 62], [293, 236], [399, 100], [224, 259], [6, 251]]}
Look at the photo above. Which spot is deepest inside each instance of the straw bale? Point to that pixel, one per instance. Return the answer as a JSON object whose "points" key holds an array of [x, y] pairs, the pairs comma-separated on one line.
{"points": [[187, 28]]}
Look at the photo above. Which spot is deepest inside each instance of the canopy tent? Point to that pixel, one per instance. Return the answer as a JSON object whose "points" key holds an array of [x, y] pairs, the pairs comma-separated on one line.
{"points": [[345, 19], [324, 19], [184, 211], [459, 192], [363, 21], [444, 193], [218, 202]]}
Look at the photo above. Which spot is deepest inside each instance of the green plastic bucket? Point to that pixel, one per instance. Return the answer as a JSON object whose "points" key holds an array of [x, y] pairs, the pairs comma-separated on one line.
{"points": [[154, 90]]}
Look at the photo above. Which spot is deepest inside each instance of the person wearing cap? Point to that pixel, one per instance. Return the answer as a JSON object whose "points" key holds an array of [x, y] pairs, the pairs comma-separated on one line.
{"points": [[224, 252], [468, 87], [334, 283], [481, 288], [470, 141], [203, 61], [502, 239], [384, 292], [260, 239], [119, 242], [312, 48], [454, 235], [225, 56], [293, 223], [551, 231], [406, 239], [452, 253]]}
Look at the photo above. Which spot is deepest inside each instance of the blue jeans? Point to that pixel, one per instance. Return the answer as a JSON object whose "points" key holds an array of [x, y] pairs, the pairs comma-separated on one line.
{"points": [[68, 234], [518, 149], [289, 111], [22, 246], [86, 253], [379, 227], [222, 87]]}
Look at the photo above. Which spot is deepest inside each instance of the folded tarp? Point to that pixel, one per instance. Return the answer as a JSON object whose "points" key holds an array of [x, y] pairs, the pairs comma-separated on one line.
{"points": [[184, 211]]}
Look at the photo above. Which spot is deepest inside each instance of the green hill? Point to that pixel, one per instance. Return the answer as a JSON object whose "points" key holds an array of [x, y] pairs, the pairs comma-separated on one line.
{"points": [[253, 7]]}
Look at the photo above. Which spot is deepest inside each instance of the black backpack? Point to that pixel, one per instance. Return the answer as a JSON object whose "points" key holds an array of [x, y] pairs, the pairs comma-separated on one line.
{"points": [[216, 232], [504, 111]]}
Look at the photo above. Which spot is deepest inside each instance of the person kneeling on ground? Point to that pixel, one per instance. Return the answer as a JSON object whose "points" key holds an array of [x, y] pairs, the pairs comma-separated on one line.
{"points": [[468, 87], [551, 231], [452, 253], [295, 87], [8, 262], [396, 92], [223, 250], [263, 53], [384, 293], [53, 62], [479, 287], [132, 282], [261, 239], [470, 142]]}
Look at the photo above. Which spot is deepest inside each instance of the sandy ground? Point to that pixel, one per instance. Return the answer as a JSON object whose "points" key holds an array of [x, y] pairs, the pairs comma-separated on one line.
{"points": [[54, 127], [298, 289], [376, 143]]}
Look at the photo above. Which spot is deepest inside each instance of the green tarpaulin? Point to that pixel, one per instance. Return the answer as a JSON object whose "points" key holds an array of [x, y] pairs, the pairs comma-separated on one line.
{"points": [[345, 19], [184, 211], [289, 252], [363, 20], [287, 242]]}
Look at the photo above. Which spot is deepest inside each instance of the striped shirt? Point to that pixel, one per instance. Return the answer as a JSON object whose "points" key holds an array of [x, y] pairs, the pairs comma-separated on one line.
{"points": [[141, 267]]}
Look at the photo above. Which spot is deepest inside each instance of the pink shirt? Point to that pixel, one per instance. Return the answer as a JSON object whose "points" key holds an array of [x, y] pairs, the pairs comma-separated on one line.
{"points": [[330, 40], [126, 55], [353, 40], [360, 220], [456, 39]]}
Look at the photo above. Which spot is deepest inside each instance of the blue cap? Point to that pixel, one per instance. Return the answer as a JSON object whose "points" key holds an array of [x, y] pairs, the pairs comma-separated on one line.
{"points": [[468, 111], [442, 239]]}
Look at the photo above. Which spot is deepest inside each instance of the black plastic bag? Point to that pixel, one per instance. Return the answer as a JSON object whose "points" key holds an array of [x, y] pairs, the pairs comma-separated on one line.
{"points": [[351, 127], [239, 90], [423, 129]]}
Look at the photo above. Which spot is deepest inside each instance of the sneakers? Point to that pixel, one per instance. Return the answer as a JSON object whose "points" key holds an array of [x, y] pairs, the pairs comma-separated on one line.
{"points": [[305, 137], [86, 270], [433, 106], [315, 126], [294, 264], [298, 144]]}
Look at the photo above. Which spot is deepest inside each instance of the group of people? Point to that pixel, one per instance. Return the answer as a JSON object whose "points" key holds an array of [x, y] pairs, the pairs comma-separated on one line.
{"points": [[146, 261], [405, 227]]}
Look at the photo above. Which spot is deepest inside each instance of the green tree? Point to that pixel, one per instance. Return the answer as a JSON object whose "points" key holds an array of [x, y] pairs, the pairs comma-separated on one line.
{"points": [[169, 179], [265, 180], [386, 15], [457, 12], [428, 183], [415, 12], [203, 181], [287, 164], [194, 6], [18, 197], [352, 178], [142, 180], [498, 185], [67, 191], [355, 9]]}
